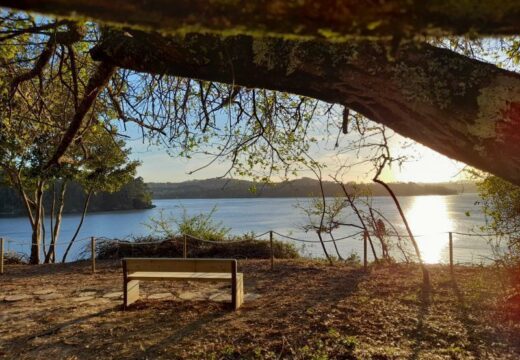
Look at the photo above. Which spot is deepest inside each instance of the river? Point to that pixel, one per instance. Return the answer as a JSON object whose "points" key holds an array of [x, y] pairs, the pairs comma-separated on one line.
{"points": [[430, 217]]}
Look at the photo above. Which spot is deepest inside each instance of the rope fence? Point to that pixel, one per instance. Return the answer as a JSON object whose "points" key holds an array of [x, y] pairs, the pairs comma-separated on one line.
{"points": [[129, 241]]}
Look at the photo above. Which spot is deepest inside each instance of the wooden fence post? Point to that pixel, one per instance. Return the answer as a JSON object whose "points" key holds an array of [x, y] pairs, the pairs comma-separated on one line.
{"points": [[1, 255], [451, 250], [185, 249], [272, 250], [93, 253], [365, 259]]}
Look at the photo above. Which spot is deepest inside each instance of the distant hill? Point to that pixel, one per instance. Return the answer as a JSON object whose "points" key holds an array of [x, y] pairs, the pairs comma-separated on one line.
{"points": [[304, 187], [132, 196], [461, 187]]}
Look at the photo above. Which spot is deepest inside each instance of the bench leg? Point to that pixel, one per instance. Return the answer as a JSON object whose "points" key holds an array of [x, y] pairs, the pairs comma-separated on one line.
{"points": [[237, 296], [131, 293]]}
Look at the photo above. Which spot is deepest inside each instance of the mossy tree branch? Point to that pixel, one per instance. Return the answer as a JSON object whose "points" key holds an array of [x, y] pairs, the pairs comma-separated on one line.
{"points": [[463, 108], [295, 18]]}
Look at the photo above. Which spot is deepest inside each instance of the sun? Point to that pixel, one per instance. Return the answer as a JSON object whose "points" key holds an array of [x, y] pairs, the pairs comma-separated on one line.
{"points": [[426, 166]]}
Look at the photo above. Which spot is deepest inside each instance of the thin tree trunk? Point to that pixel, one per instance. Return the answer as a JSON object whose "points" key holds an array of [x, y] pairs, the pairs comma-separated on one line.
{"points": [[335, 245], [399, 241], [426, 275], [44, 233], [29, 207], [324, 248], [36, 233], [358, 214], [324, 203], [51, 254], [384, 247], [53, 208], [83, 214]]}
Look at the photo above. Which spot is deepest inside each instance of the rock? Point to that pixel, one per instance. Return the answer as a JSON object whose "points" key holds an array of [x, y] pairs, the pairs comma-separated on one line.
{"points": [[51, 296], [114, 295], [20, 297], [251, 296], [98, 301], [87, 293], [220, 296], [83, 298], [160, 296], [44, 291], [188, 295]]}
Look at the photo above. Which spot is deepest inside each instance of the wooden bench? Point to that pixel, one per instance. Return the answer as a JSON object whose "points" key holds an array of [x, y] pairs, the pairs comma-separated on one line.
{"points": [[155, 269]]}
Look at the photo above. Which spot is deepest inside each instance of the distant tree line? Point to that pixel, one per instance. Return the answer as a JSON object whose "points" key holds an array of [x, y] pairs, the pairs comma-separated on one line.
{"points": [[132, 195], [304, 187]]}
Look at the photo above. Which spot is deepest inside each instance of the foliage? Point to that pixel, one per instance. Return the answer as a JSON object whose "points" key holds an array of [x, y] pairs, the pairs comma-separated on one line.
{"points": [[501, 206], [332, 210], [202, 226], [353, 259], [39, 105]]}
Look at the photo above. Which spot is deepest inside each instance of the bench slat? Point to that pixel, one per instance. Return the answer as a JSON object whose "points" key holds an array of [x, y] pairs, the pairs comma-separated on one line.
{"points": [[193, 276], [179, 265]]}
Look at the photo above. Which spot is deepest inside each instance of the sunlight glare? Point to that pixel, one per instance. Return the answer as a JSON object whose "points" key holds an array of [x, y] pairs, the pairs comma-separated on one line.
{"points": [[429, 166], [428, 217]]}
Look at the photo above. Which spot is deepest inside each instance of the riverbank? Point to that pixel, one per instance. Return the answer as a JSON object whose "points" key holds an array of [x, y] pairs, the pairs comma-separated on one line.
{"points": [[300, 310]]}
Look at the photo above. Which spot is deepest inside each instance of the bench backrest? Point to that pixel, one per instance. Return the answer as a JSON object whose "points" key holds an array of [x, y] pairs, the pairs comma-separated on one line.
{"points": [[180, 265]]}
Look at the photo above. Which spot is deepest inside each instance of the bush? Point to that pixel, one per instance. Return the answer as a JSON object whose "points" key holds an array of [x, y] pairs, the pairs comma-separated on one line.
{"points": [[15, 258], [202, 226], [244, 247]]}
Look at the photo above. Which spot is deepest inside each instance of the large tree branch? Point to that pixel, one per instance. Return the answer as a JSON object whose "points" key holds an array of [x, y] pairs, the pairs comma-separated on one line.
{"points": [[303, 18], [463, 108], [73, 34], [96, 84]]}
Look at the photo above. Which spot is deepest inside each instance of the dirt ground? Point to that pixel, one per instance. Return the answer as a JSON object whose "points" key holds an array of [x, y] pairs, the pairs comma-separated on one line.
{"points": [[302, 310]]}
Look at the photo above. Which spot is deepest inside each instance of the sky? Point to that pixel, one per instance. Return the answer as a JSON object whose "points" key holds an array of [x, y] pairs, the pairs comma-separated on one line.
{"points": [[424, 165]]}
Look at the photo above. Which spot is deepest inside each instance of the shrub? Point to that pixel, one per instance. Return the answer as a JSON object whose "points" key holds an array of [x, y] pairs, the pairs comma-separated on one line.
{"points": [[202, 225], [244, 247], [15, 258]]}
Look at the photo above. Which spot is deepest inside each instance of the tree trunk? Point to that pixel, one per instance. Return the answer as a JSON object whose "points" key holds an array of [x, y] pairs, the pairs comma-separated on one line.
{"points": [[317, 172], [83, 214], [37, 226], [460, 107], [51, 216], [44, 233], [55, 231], [304, 18]]}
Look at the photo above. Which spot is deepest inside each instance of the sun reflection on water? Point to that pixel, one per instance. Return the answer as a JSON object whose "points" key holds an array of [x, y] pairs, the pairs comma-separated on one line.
{"points": [[428, 216]]}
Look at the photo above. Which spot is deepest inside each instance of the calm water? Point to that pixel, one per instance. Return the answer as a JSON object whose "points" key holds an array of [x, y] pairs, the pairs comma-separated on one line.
{"points": [[429, 216]]}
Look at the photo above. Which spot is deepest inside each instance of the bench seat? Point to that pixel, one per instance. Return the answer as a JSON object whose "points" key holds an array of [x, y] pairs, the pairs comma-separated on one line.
{"points": [[192, 276]]}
